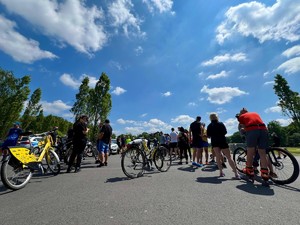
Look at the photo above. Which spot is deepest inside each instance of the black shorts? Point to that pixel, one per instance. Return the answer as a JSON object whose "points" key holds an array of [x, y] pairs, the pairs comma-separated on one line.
{"points": [[173, 144], [221, 145]]}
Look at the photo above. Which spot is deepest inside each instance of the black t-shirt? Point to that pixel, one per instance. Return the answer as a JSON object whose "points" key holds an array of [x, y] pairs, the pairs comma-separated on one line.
{"points": [[195, 127], [107, 132], [78, 134], [216, 131]]}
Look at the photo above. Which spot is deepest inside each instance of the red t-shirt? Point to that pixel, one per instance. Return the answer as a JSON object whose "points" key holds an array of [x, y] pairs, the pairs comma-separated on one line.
{"points": [[252, 121]]}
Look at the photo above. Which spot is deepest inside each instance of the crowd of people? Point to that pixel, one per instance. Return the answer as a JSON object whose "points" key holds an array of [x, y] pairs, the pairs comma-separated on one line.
{"points": [[183, 143]]}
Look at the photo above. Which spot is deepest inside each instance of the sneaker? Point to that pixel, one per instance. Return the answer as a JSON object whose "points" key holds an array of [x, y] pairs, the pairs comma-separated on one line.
{"points": [[77, 170], [100, 164], [97, 161], [222, 174], [105, 163]]}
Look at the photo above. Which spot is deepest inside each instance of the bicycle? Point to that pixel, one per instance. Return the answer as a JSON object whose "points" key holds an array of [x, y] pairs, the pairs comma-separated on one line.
{"points": [[138, 158], [18, 166], [286, 167]]}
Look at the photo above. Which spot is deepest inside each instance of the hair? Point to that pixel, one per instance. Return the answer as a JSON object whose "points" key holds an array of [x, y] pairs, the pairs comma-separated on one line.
{"points": [[213, 116], [172, 129], [243, 110], [198, 118], [107, 121]]}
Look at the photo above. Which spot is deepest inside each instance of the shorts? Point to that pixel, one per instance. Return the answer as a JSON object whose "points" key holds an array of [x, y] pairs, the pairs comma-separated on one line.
{"points": [[204, 144], [221, 145], [173, 145], [257, 138], [197, 143], [103, 147]]}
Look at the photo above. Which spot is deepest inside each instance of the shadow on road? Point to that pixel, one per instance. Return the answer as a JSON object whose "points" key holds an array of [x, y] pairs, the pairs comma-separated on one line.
{"points": [[211, 180], [116, 179], [188, 168], [287, 187], [256, 189]]}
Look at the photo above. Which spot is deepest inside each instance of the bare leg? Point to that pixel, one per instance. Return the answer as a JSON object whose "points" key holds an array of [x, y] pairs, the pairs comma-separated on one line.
{"points": [[226, 152], [218, 159]]}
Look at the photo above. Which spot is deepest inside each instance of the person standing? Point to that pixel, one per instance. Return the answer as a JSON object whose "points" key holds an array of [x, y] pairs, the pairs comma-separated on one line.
{"points": [[104, 142], [204, 143], [216, 131], [195, 136], [173, 141], [80, 131], [183, 142]]}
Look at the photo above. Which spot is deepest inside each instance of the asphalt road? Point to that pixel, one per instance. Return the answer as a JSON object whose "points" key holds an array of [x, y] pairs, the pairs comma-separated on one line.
{"points": [[183, 195]]}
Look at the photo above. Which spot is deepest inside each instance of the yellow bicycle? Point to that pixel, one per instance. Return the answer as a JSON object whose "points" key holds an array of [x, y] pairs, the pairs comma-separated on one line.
{"points": [[18, 166]]}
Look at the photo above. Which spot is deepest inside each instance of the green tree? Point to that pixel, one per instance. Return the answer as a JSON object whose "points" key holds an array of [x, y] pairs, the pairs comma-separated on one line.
{"points": [[236, 138], [275, 127], [13, 93], [100, 103], [289, 100], [81, 106], [33, 109]]}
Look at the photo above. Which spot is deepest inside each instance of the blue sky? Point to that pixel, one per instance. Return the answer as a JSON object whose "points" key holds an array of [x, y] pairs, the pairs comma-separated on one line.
{"points": [[168, 61]]}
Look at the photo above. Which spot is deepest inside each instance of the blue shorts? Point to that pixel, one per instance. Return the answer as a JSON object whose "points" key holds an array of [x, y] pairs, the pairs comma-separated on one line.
{"points": [[204, 144], [103, 147]]}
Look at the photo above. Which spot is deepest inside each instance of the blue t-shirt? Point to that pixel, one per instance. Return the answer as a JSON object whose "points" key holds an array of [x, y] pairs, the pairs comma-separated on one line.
{"points": [[12, 137]]}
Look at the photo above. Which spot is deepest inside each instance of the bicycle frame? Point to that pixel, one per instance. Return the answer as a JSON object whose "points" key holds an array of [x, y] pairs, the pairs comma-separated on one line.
{"points": [[25, 156]]}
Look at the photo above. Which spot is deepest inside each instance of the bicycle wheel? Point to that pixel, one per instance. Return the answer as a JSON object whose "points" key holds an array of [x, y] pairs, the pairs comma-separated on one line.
{"points": [[284, 164], [162, 159], [14, 174], [53, 162], [132, 163], [240, 158], [89, 151]]}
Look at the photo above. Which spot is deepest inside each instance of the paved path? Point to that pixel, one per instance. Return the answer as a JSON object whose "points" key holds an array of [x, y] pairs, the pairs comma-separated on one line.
{"points": [[182, 195]]}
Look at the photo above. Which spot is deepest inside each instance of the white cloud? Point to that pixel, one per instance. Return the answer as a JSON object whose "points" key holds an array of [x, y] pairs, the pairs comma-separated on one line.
{"points": [[192, 104], [284, 122], [293, 51], [262, 22], [182, 119], [269, 83], [139, 50], [20, 48], [274, 109], [231, 125], [118, 91], [66, 21], [161, 5], [120, 16], [115, 64], [57, 107], [70, 81], [217, 76], [74, 83], [291, 66], [222, 95], [242, 77], [238, 57], [144, 115], [167, 94]]}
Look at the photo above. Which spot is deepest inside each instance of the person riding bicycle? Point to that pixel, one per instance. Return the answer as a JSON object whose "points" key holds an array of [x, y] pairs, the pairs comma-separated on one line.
{"points": [[256, 134], [12, 137]]}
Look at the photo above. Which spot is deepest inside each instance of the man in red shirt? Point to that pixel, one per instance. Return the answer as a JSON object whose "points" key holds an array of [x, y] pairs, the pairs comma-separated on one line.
{"points": [[256, 136]]}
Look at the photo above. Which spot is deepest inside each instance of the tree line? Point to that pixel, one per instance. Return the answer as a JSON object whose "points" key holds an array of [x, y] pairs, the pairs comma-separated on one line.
{"points": [[17, 105]]}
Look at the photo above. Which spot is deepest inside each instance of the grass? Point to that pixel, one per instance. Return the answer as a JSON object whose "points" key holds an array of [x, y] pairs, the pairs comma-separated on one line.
{"points": [[294, 150]]}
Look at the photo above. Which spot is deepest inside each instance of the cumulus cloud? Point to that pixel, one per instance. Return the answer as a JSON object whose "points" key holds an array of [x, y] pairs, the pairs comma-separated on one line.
{"points": [[219, 59], [118, 91], [182, 119], [161, 5], [262, 22], [269, 83], [274, 109], [120, 16], [20, 48], [67, 22], [74, 83], [139, 50], [56, 107], [222, 95], [284, 122], [218, 75], [231, 125]]}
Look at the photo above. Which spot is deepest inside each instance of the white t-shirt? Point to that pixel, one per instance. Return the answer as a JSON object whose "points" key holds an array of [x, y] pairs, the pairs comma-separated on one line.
{"points": [[173, 136]]}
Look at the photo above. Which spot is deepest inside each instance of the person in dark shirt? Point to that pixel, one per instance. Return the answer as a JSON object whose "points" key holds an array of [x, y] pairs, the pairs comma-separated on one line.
{"points": [[216, 131], [195, 136], [104, 142], [80, 131]]}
